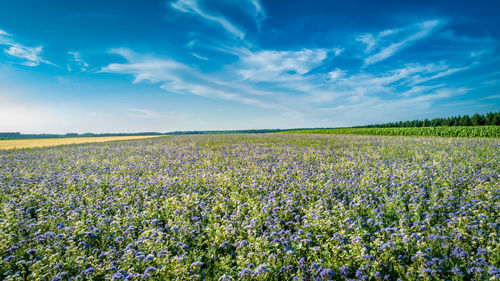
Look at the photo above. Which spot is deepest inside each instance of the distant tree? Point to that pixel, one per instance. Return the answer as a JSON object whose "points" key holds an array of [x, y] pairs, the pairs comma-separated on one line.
{"points": [[488, 118], [465, 121], [477, 120], [496, 119]]}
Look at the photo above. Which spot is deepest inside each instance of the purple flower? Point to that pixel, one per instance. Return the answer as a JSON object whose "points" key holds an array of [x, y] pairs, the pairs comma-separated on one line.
{"points": [[314, 266], [457, 271], [88, 270], [326, 273], [9, 258], [261, 269], [344, 270], [245, 272], [481, 251], [226, 277], [475, 270], [197, 264], [493, 271], [117, 276], [459, 252], [427, 271]]}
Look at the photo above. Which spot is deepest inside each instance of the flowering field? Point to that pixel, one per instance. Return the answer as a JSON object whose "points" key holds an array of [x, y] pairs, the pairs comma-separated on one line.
{"points": [[252, 207]]}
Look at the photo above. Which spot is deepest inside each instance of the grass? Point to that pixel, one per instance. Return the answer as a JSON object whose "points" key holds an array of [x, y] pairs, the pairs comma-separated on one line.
{"points": [[454, 131], [32, 143]]}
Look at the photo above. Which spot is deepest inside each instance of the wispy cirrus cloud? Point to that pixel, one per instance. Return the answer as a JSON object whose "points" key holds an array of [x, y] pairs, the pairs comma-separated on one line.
{"points": [[146, 68], [29, 56], [200, 57], [372, 41], [281, 80], [143, 113], [76, 60], [258, 6], [269, 65], [260, 13], [192, 6], [179, 78], [388, 42], [308, 82]]}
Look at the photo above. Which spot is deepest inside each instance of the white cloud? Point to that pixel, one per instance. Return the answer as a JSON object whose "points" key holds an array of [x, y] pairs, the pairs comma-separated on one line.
{"points": [[369, 40], [146, 68], [372, 41], [336, 74], [142, 113], [416, 32], [29, 56], [256, 11], [491, 97], [176, 77], [270, 65], [337, 51], [283, 81], [76, 59], [191, 6], [305, 83], [410, 80], [258, 6], [259, 14], [199, 57], [440, 74], [4, 33]]}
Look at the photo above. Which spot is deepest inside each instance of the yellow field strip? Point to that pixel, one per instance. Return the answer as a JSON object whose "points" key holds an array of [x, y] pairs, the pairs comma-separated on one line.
{"points": [[30, 143]]}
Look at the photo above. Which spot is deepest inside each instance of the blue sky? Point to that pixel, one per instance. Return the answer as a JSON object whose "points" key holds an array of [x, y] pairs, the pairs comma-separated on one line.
{"points": [[129, 66]]}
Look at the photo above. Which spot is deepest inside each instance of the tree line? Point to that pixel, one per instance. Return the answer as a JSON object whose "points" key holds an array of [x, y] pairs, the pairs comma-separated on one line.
{"points": [[17, 135], [487, 119]]}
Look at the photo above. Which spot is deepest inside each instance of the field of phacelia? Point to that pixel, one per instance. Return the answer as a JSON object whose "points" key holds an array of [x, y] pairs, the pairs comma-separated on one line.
{"points": [[252, 207]]}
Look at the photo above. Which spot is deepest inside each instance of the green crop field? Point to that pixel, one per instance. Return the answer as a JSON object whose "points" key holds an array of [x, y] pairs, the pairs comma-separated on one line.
{"points": [[455, 131]]}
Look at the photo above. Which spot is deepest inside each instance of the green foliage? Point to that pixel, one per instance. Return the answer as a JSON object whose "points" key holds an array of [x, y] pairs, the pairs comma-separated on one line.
{"points": [[454, 131], [488, 119]]}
